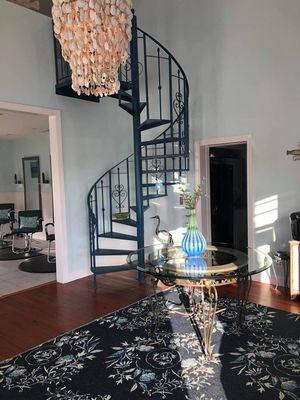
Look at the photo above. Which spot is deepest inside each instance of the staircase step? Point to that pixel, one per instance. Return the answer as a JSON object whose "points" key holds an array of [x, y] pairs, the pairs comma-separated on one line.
{"points": [[161, 171], [161, 141], [153, 184], [157, 156], [129, 222], [129, 107], [115, 235], [112, 268], [134, 208], [153, 196], [63, 83], [111, 252], [125, 85], [65, 89], [153, 123], [123, 228], [122, 95]]}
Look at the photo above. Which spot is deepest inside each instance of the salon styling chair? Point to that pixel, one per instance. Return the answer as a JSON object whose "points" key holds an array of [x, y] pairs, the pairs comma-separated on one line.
{"points": [[50, 237], [7, 216], [29, 223]]}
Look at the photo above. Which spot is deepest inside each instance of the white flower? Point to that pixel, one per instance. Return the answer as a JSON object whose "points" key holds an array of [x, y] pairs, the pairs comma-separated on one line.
{"points": [[147, 377], [188, 363], [266, 354], [143, 347], [289, 385]]}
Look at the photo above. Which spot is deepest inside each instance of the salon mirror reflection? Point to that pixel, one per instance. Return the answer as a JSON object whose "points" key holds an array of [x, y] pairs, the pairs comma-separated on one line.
{"points": [[32, 183]]}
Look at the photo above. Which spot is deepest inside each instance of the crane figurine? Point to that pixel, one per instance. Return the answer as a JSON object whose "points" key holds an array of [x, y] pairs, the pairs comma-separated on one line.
{"points": [[163, 235]]}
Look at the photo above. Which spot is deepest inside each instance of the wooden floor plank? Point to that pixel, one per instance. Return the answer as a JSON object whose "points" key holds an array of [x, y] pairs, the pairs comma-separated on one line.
{"points": [[34, 316]]}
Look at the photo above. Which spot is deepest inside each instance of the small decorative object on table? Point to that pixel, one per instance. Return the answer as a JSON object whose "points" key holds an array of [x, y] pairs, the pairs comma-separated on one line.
{"points": [[121, 216], [193, 242]]}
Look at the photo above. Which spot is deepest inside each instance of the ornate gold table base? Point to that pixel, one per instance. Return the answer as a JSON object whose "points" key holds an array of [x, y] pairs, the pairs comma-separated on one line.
{"points": [[202, 305], [205, 311]]}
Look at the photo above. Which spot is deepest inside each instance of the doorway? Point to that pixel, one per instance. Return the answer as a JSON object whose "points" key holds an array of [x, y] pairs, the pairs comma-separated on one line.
{"points": [[50, 178], [228, 195], [224, 168]]}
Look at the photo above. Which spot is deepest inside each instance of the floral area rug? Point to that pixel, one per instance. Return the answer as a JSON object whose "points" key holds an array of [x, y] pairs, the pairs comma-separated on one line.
{"points": [[115, 358]]}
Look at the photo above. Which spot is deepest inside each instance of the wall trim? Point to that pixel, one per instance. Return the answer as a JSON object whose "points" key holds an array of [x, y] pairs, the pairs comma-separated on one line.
{"points": [[206, 143], [63, 274], [73, 276]]}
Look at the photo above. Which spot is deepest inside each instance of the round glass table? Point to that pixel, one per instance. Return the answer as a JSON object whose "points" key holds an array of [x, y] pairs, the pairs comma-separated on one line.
{"points": [[217, 266]]}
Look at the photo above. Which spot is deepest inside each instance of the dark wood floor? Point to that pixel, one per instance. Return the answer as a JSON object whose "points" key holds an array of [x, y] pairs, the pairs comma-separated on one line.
{"points": [[36, 315]]}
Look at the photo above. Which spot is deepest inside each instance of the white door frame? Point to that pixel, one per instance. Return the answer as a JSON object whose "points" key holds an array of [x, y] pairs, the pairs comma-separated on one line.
{"points": [[59, 205], [207, 143]]}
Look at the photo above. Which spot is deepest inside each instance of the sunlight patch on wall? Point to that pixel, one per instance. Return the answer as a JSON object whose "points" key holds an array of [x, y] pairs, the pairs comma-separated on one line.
{"points": [[265, 275], [266, 211], [182, 180]]}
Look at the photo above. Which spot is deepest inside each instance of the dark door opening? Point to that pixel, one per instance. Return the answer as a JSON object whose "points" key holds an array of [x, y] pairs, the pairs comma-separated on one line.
{"points": [[228, 195]]}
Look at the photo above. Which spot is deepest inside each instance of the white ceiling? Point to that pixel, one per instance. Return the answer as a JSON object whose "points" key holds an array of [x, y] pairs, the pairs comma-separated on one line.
{"points": [[16, 125]]}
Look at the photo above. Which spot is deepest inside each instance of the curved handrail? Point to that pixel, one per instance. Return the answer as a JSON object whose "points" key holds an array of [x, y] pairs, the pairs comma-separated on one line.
{"points": [[174, 122], [105, 173], [170, 54]]}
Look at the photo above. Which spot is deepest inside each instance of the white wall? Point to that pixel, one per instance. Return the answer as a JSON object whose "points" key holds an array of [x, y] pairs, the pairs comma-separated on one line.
{"points": [[31, 147], [6, 166], [93, 138], [242, 58]]}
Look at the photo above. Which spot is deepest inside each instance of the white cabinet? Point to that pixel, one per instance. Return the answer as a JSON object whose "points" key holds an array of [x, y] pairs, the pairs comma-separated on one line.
{"points": [[294, 268]]}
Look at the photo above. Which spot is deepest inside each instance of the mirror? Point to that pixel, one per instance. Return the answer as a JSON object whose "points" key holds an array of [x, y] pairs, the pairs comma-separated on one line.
{"points": [[32, 183]]}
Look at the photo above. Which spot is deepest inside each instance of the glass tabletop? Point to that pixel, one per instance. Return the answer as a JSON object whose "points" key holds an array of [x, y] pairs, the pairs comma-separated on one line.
{"points": [[216, 263]]}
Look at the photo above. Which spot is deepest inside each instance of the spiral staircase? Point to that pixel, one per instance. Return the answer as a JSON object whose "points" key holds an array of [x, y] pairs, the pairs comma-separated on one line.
{"points": [[154, 92]]}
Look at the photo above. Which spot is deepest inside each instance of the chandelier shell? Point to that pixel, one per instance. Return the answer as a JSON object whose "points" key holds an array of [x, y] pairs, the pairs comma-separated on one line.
{"points": [[94, 36]]}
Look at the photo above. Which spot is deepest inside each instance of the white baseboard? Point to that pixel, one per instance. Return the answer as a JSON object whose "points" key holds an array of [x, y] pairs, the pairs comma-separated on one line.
{"points": [[73, 276]]}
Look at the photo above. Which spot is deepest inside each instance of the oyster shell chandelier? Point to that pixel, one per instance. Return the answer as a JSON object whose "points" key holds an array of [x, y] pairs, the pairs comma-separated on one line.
{"points": [[94, 37]]}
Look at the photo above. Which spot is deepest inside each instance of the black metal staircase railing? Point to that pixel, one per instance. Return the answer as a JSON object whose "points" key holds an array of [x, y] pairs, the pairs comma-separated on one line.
{"points": [[154, 91]]}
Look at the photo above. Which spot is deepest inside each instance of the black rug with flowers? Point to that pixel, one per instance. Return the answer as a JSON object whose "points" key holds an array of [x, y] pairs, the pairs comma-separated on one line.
{"points": [[115, 358]]}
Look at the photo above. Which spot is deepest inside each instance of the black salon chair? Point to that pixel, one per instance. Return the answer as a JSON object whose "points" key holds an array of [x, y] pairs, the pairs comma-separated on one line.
{"points": [[7, 215], [295, 225], [29, 223], [50, 237]]}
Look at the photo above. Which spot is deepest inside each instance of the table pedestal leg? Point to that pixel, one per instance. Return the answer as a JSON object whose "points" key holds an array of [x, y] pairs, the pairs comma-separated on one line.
{"points": [[206, 313], [205, 310], [244, 286], [154, 306], [192, 301]]}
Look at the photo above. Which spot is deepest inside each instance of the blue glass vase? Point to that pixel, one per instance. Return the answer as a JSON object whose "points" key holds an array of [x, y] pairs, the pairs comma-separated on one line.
{"points": [[193, 242], [195, 266]]}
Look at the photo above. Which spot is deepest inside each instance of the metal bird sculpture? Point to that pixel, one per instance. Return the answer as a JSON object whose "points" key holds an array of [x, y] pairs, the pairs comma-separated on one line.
{"points": [[163, 235]]}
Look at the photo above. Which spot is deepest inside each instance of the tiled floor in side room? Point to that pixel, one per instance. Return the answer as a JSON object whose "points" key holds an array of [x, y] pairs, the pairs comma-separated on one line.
{"points": [[13, 280]]}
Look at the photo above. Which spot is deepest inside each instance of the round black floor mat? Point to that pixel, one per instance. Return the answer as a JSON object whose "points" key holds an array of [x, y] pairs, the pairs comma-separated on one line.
{"points": [[7, 255], [4, 244], [37, 265]]}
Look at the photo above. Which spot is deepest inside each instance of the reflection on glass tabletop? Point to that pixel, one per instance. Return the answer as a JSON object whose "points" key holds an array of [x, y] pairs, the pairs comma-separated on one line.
{"points": [[215, 263]]}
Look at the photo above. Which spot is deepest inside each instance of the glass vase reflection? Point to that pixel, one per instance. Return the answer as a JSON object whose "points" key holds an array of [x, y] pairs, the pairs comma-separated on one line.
{"points": [[195, 266], [193, 242]]}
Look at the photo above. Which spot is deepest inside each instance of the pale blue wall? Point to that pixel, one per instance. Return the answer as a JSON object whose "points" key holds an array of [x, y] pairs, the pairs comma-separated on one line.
{"points": [[93, 137], [30, 147], [6, 166]]}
